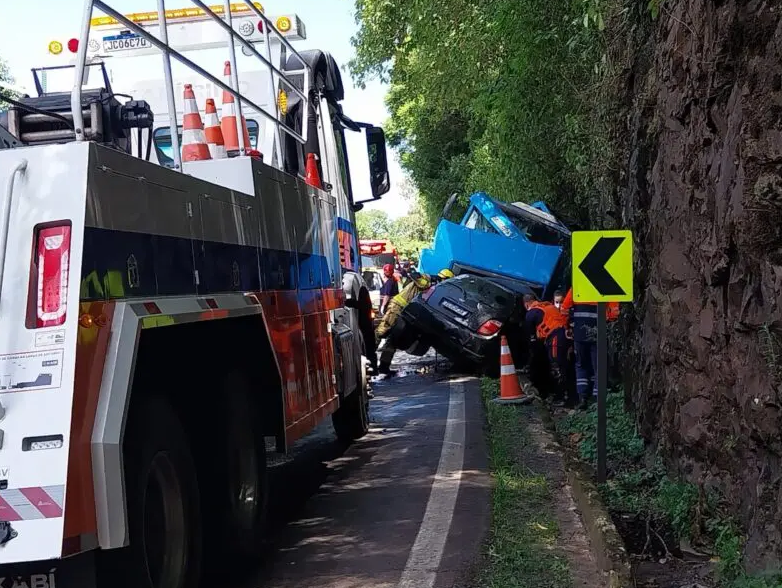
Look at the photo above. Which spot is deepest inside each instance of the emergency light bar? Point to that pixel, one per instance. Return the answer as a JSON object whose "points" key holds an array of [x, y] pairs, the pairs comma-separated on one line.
{"points": [[174, 15], [186, 33]]}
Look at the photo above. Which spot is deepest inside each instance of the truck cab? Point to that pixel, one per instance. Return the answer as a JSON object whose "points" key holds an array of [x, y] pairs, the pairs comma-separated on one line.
{"points": [[519, 241]]}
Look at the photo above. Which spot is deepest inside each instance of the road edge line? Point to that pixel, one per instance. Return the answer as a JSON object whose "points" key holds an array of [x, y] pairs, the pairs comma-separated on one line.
{"points": [[427, 550]]}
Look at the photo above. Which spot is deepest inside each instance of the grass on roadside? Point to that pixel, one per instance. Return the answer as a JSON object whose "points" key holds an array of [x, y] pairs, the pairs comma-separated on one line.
{"points": [[636, 487], [522, 545]]}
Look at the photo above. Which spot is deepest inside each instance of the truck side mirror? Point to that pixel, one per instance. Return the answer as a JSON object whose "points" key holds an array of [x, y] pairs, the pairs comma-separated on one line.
{"points": [[378, 162]]}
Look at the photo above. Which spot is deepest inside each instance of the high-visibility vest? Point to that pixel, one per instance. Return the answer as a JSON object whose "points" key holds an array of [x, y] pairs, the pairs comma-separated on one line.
{"points": [[552, 319], [407, 294]]}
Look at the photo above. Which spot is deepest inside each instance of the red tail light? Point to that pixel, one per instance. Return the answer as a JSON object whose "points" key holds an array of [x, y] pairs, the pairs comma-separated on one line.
{"points": [[52, 258], [490, 328]]}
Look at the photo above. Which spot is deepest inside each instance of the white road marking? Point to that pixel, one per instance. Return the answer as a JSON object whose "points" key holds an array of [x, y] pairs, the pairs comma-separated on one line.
{"points": [[427, 551]]}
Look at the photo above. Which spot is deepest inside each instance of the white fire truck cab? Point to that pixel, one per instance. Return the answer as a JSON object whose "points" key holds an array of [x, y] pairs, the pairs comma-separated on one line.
{"points": [[167, 323]]}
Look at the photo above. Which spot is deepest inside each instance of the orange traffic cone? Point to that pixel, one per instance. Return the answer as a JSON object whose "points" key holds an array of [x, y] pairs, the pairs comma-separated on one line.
{"points": [[510, 388], [213, 132], [229, 118], [312, 176], [194, 147]]}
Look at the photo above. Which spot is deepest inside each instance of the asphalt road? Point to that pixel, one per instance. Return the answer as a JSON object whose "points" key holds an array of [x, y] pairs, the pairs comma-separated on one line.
{"points": [[407, 506]]}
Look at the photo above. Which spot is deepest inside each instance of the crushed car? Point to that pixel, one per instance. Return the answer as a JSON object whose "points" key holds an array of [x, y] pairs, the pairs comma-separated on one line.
{"points": [[463, 319], [499, 252]]}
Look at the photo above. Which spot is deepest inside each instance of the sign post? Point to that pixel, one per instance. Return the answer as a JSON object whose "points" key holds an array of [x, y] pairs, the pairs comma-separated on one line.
{"points": [[602, 272]]}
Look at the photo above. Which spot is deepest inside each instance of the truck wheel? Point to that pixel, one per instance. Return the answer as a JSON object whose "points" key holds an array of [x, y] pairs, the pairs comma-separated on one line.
{"points": [[163, 504], [243, 497], [351, 420]]}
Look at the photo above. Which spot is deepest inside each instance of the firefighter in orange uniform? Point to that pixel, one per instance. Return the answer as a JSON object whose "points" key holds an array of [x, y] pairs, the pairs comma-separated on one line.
{"points": [[544, 323]]}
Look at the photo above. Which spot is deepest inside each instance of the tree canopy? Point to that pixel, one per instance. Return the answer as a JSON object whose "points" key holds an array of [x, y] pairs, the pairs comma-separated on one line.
{"points": [[409, 233], [488, 95], [5, 76]]}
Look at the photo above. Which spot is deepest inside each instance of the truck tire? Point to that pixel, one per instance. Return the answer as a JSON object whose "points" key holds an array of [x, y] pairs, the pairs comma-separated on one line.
{"points": [[239, 464], [163, 504], [351, 420]]}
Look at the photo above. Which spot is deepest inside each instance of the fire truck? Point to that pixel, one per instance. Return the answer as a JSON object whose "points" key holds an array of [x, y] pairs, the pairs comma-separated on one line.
{"points": [[167, 326], [376, 253]]}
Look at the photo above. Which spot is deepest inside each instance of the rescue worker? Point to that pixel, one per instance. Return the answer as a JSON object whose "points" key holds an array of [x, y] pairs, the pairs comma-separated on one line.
{"points": [[389, 289], [544, 323], [418, 283], [582, 318], [559, 296]]}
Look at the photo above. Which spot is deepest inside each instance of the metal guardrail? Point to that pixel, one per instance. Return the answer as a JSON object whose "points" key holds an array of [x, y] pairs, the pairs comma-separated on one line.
{"points": [[167, 52]]}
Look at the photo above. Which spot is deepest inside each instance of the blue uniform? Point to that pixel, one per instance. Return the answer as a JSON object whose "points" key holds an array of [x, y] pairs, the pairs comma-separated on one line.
{"points": [[584, 320]]}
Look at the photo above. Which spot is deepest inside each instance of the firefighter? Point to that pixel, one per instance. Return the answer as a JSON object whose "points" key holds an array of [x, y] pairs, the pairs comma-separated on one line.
{"points": [[544, 323], [418, 283], [389, 289], [582, 318]]}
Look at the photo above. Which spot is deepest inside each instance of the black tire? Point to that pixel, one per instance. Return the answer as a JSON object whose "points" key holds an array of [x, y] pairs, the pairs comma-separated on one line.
{"points": [[366, 325], [163, 504], [238, 477], [351, 420]]}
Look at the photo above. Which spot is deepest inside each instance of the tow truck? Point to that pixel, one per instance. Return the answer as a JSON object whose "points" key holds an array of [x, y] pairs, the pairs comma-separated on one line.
{"points": [[167, 327]]}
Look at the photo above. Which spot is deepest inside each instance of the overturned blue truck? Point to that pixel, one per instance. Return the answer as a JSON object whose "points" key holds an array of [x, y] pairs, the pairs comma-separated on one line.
{"points": [[498, 252]]}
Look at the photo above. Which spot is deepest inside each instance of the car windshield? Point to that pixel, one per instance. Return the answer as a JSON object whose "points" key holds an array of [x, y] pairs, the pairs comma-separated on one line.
{"points": [[486, 290]]}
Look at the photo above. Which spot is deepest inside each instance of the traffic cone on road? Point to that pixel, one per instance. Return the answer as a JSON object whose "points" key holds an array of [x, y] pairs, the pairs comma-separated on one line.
{"points": [[228, 124], [213, 132], [312, 175], [510, 388], [194, 147]]}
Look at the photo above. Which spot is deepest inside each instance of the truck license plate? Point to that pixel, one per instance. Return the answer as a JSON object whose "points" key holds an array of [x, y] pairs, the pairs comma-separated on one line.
{"points": [[124, 43]]}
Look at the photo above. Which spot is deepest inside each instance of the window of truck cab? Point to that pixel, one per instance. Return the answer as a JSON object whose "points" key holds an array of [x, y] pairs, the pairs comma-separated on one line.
{"points": [[475, 220], [163, 149]]}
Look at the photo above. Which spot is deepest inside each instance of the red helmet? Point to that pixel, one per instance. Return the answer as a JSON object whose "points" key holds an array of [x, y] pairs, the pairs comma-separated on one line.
{"points": [[388, 270]]}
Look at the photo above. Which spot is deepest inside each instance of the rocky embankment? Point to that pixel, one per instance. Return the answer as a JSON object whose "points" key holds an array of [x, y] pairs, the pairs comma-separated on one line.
{"points": [[703, 192]]}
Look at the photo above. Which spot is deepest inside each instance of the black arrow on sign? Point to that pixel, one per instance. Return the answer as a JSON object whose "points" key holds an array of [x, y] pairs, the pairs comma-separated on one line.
{"points": [[593, 266]]}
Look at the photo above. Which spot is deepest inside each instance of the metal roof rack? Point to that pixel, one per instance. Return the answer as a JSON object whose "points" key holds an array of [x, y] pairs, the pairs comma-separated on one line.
{"points": [[167, 52]]}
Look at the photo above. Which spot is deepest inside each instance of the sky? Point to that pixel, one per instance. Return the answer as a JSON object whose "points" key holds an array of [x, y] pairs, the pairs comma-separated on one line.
{"points": [[329, 23]]}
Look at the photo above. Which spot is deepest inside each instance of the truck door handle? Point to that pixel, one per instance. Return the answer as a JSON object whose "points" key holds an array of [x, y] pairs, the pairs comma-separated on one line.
{"points": [[9, 202]]}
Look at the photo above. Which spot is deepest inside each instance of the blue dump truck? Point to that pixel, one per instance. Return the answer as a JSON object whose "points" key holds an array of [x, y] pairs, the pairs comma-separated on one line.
{"points": [[499, 252], [515, 241]]}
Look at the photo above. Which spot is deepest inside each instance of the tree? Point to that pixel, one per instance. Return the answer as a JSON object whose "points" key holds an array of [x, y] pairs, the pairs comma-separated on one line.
{"points": [[488, 95], [5, 76], [409, 233], [373, 224]]}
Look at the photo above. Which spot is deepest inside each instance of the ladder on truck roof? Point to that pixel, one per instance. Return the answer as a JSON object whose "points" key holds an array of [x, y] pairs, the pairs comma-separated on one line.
{"points": [[167, 52]]}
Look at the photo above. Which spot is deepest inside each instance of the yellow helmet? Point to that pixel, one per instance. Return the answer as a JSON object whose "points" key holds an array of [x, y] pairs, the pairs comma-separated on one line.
{"points": [[444, 274]]}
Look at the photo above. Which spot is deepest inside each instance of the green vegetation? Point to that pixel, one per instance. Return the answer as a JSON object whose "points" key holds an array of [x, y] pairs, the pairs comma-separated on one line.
{"points": [[409, 233], [639, 487], [524, 532], [505, 96], [771, 348], [5, 76]]}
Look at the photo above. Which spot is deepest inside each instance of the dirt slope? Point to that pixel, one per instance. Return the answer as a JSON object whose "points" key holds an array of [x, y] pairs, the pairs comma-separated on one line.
{"points": [[704, 194]]}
